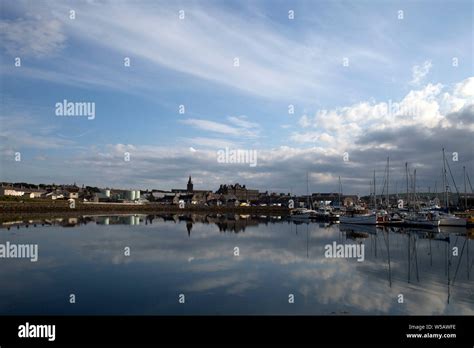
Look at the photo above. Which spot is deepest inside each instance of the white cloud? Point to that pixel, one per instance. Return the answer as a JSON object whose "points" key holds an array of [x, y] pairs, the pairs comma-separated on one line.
{"points": [[32, 37], [462, 95], [424, 108], [211, 126], [465, 88], [244, 129], [304, 121], [419, 72], [242, 121], [311, 137]]}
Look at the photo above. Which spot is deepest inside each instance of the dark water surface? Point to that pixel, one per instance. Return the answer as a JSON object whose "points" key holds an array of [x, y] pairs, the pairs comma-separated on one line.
{"points": [[194, 255]]}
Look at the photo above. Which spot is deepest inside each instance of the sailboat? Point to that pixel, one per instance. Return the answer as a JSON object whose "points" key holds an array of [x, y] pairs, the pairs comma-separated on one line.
{"points": [[303, 214], [388, 217], [416, 218], [421, 219], [445, 218], [352, 217], [330, 213]]}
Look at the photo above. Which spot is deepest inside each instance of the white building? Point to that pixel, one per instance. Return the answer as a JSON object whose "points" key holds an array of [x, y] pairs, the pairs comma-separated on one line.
{"points": [[55, 195], [34, 193], [73, 195], [11, 191]]}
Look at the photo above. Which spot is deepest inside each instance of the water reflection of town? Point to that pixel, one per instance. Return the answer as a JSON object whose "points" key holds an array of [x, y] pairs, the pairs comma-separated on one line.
{"points": [[416, 251], [226, 223]]}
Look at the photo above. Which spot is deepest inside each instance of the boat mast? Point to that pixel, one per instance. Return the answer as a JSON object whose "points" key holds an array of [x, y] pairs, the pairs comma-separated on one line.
{"points": [[407, 198], [307, 191], [375, 194], [445, 181], [396, 190], [465, 188], [340, 191], [414, 187], [388, 177], [441, 196]]}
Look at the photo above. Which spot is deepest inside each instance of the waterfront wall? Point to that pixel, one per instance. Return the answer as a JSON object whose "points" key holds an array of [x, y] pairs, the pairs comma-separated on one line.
{"points": [[63, 206]]}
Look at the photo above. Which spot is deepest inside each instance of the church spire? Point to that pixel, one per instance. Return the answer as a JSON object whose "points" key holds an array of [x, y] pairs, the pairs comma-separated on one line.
{"points": [[190, 185]]}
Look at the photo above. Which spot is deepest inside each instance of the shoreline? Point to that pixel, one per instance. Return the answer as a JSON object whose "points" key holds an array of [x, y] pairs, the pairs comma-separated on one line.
{"points": [[11, 208], [32, 212]]}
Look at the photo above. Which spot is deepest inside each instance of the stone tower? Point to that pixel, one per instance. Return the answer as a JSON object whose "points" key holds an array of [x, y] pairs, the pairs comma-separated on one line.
{"points": [[190, 185]]}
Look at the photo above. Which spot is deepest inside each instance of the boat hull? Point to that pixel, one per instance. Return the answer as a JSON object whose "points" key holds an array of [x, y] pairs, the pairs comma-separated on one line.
{"points": [[452, 221], [421, 223], [301, 217], [359, 220]]}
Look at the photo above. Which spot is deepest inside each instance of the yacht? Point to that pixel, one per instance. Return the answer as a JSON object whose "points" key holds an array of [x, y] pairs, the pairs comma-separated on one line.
{"points": [[446, 219], [380, 217], [302, 214], [421, 219], [394, 219], [326, 213], [359, 219]]}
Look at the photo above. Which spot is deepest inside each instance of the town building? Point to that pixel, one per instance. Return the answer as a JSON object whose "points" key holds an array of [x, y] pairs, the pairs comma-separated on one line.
{"points": [[239, 191], [34, 193], [11, 191], [190, 185], [334, 199], [189, 188]]}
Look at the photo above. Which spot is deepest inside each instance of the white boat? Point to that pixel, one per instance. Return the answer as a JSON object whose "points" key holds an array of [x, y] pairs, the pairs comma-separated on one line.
{"points": [[302, 214], [359, 219], [421, 219], [325, 213], [446, 219], [380, 217]]}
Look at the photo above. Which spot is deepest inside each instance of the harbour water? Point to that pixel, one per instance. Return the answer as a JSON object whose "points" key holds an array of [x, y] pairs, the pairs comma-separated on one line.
{"points": [[232, 265]]}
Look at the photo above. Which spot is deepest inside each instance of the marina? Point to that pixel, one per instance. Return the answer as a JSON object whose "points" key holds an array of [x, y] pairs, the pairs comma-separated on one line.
{"points": [[387, 210]]}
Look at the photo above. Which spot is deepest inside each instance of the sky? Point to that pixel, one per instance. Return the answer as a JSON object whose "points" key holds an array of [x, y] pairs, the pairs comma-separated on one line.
{"points": [[328, 88]]}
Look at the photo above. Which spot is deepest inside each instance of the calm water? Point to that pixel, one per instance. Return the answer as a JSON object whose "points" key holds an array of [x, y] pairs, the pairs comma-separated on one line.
{"points": [[194, 256]]}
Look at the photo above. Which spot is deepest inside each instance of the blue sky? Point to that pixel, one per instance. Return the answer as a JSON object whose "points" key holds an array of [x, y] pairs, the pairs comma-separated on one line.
{"points": [[190, 62]]}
